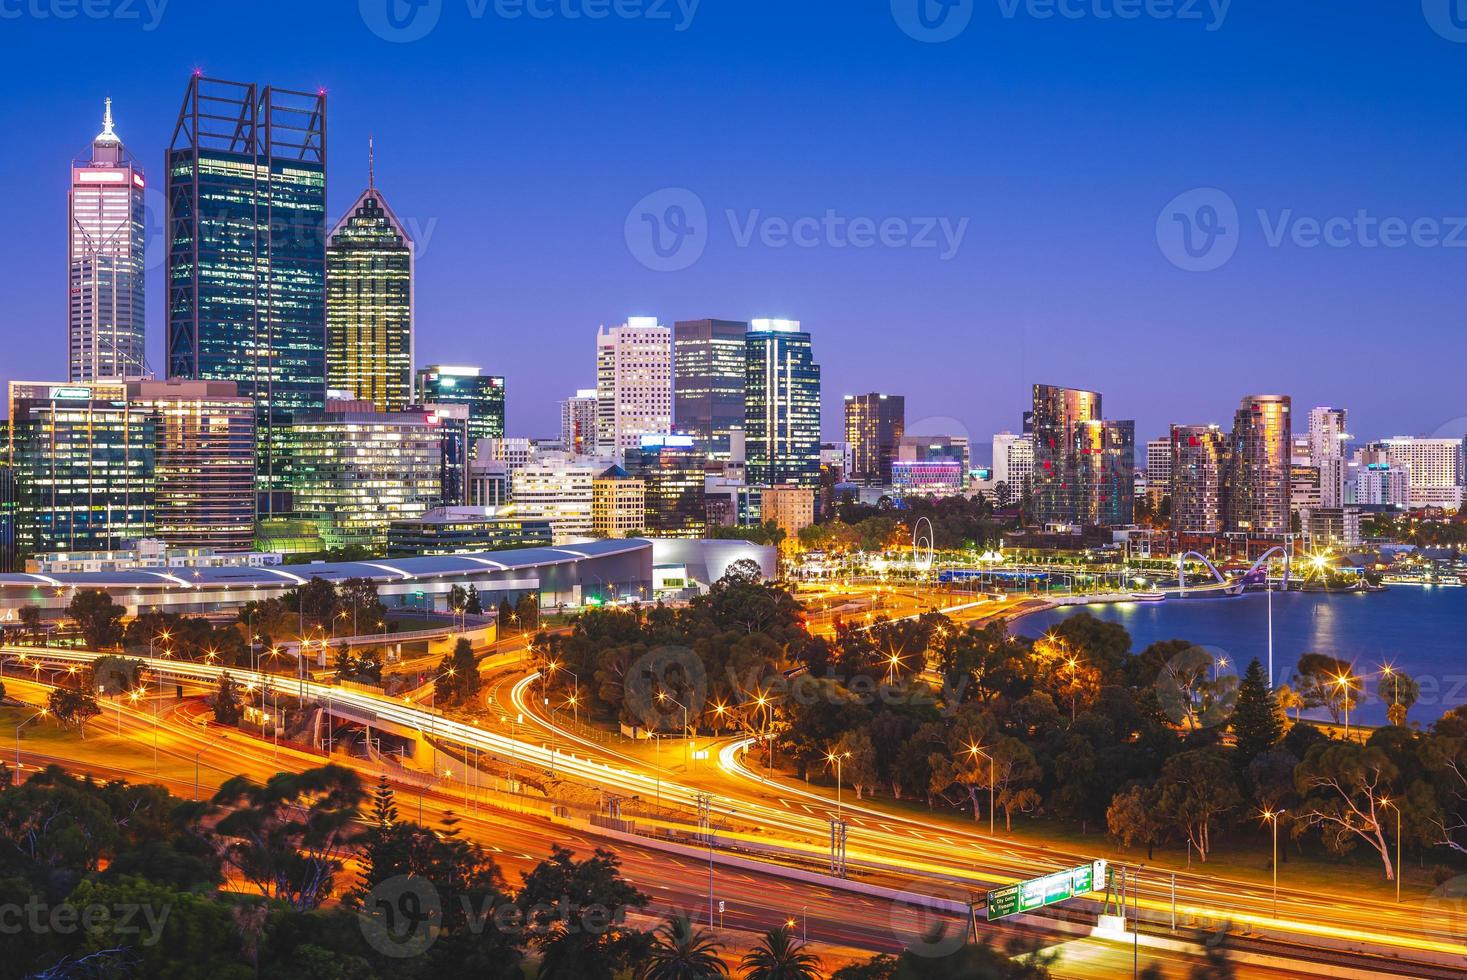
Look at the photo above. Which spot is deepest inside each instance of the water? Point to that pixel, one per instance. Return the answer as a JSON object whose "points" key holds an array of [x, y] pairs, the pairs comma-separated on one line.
{"points": [[1422, 631]]}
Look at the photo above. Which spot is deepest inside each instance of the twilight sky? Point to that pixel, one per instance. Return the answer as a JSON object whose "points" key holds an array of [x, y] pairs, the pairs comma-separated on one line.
{"points": [[1006, 206]]}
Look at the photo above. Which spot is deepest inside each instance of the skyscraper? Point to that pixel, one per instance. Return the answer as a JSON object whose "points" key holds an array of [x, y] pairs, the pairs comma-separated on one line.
{"points": [[1198, 470], [578, 423], [204, 462], [106, 261], [708, 374], [1327, 438], [1106, 453], [875, 424], [247, 254], [633, 383], [369, 304], [1259, 467], [1013, 467], [1057, 414], [781, 405], [446, 384], [672, 467]]}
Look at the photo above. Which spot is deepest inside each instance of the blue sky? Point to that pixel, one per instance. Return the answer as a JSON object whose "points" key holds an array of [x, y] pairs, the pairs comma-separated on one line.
{"points": [[1060, 145]]}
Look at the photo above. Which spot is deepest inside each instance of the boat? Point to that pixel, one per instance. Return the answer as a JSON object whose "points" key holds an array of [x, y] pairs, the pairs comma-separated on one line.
{"points": [[1148, 596]]}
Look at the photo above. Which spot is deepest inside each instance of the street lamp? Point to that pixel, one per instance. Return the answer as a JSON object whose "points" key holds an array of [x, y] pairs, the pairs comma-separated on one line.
{"points": [[687, 748], [1272, 817], [1395, 806], [837, 759], [38, 714], [974, 750], [1344, 681]]}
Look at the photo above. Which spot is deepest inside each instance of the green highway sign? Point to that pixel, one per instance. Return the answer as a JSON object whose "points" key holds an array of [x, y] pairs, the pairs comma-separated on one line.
{"points": [[1036, 893]]}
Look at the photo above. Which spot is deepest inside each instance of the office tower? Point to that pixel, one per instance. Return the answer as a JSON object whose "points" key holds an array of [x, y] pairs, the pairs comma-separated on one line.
{"points": [[1259, 467], [1057, 414], [1435, 467], [105, 243], [633, 383], [708, 378], [355, 470], [672, 468], [9, 553], [578, 423], [781, 405], [369, 304], [1106, 453], [443, 384], [875, 424], [558, 488], [1159, 462], [83, 460], [457, 447], [618, 504], [1198, 473], [247, 255], [1013, 466], [204, 462]]}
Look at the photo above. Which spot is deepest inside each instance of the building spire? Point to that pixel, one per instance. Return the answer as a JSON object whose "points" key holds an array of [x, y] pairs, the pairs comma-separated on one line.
{"points": [[371, 164], [107, 135]]}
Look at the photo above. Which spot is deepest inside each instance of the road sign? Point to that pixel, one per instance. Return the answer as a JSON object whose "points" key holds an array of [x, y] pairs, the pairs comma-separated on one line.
{"points": [[1036, 893]]}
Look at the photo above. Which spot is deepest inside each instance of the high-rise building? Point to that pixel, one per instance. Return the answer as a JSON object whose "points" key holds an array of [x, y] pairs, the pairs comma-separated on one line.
{"points": [[618, 504], [925, 448], [369, 304], [204, 462], [247, 255], [708, 377], [633, 383], [445, 384], [1435, 467], [558, 488], [106, 262], [1259, 467], [1327, 433], [875, 424], [672, 467], [9, 552], [355, 470], [1107, 459], [1198, 473], [578, 423], [1382, 484], [1057, 415], [453, 432], [83, 460], [781, 405], [790, 508], [1013, 466], [1159, 462]]}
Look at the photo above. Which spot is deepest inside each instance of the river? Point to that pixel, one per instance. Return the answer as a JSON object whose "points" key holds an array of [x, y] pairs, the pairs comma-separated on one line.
{"points": [[1421, 630]]}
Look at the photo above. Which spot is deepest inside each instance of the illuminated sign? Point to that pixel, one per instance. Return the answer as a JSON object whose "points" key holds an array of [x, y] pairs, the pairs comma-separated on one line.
{"points": [[137, 179], [670, 442], [71, 393], [101, 176], [1036, 893]]}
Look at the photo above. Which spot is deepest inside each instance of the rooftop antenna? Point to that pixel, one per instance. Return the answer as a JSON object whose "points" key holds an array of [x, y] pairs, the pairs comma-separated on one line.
{"points": [[107, 135], [371, 163]]}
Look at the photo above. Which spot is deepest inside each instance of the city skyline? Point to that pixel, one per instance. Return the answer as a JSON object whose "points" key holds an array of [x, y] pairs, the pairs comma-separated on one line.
{"points": [[995, 317]]}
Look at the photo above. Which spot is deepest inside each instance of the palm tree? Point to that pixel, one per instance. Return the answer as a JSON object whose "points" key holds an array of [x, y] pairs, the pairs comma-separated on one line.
{"points": [[780, 957], [682, 951]]}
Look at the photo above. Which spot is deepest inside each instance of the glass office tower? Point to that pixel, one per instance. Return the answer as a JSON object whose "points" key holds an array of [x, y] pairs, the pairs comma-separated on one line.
{"points": [[444, 384], [1259, 466], [875, 424], [781, 405], [247, 255], [708, 382]]}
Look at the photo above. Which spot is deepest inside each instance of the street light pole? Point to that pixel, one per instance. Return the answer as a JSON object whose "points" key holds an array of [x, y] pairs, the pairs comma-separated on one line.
{"points": [[32, 718]]}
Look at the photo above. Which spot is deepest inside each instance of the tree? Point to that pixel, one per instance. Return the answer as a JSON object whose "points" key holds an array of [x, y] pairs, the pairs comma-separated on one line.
{"points": [[1345, 786], [30, 618], [1399, 691], [72, 707], [528, 611], [576, 913], [682, 951], [473, 602], [1256, 723], [226, 702], [1131, 819], [779, 956], [1323, 681], [466, 671], [290, 835], [98, 618], [859, 764], [111, 675], [1194, 789]]}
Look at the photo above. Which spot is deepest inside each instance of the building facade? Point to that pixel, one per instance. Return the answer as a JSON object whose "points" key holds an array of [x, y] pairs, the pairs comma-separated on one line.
{"points": [[247, 255], [444, 384], [875, 424], [1199, 471], [1259, 472], [461, 530], [618, 504], [578, 423], [1435, 467], [1057, 413], [633, 383], [369, 305], [926, 477], [557, 488], [781, 405], [106, 242], [791, 508], [708, 379], [83, 458], [1106, 450], [355, 470], [1013, 467], [204, 462], [672, 467]]}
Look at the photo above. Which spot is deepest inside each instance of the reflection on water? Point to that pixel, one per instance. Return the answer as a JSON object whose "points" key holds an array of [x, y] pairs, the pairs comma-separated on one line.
{"points": [[1420, 630]]}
